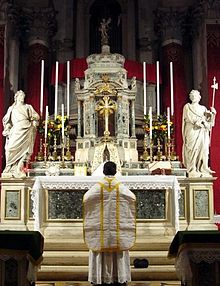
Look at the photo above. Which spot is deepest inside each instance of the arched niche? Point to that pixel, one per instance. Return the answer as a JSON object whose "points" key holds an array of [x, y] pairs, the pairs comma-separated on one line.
{"points": [[105, 9]]}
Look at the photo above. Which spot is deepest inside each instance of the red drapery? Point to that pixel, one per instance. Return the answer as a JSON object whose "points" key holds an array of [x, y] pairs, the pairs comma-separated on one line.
{"points": [[2, 32], [174, 53], [213, 60], [37, 52], [78, 67]]}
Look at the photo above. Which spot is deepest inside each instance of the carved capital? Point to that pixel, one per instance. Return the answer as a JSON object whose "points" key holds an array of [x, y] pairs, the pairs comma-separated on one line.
{"points": [[16, 18], [169, 23], [41, 22], [32, 23]]}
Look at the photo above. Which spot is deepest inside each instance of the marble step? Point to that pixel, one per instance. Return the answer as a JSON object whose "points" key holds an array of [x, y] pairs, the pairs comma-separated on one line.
{"points": [[162, 243], [85, 283], [61, 272], [81, 257]]}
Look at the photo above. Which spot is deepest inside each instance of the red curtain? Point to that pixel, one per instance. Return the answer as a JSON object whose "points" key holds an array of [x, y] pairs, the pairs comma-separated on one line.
{"points": [[174, 53], [78, 67], [2, 32], [37, 52], [213, 60]]}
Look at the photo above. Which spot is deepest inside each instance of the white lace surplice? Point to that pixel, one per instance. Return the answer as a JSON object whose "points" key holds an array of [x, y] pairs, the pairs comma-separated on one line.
{"points": [[109, 267]]}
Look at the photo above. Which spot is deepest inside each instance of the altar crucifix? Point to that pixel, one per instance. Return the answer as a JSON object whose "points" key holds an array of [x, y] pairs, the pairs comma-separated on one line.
{"points": [[106, 107]]}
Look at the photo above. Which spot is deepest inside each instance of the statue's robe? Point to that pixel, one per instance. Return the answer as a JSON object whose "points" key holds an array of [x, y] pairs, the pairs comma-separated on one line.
{"points": [[21, 135], [109, 230], [196, 125]]}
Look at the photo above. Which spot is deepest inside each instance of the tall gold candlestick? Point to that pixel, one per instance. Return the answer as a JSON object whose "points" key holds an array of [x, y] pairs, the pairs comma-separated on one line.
{"points": [[68, 155], [151, 150], [63, 165], [168, 149], [40, 155], [45, 150], [54, 154]]}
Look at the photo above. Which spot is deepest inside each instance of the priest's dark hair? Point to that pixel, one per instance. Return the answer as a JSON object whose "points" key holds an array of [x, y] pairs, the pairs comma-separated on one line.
{"points": [[109, 168]]}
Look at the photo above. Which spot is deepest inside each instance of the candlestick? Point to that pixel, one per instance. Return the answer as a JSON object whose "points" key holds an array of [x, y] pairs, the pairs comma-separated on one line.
{"points": [[150, 119], [145, 91], [171, 89], [68, 89], [158, 89], [46, 121], [62, 108], [56, 90], [215, 87], [168, 122], [42, 88]]}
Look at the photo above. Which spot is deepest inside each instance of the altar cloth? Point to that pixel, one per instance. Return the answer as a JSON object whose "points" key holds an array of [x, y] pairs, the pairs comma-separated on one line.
{"points": [[156, 182]]}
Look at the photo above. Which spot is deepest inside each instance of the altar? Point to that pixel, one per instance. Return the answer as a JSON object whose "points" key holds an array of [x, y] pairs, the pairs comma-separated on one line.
{"points": [[59, 198]]}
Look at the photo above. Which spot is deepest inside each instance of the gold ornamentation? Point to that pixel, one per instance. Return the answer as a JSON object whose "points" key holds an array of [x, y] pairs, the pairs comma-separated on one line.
{"points": [[105, 88], [105, 107]]}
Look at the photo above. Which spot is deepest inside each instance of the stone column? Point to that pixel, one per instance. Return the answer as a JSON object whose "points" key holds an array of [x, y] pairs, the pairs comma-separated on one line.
{"points": [[119, 117], [169, 25], [65, 34], [92, 116], [133, 119], [80, 30], [42, 26], [2, 60], [79, 120], [12, 35], [198, 34]]}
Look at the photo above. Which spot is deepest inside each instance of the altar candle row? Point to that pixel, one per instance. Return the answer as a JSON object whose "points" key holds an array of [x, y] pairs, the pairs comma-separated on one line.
{"points": [[56, 89], [158, 88]]}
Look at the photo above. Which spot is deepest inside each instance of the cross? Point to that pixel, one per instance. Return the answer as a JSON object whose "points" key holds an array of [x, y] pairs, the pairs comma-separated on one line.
{"points": [[105, 107], [215, 87]]}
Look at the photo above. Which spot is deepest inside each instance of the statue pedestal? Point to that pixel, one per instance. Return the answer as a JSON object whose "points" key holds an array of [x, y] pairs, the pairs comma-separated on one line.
{"points": [[16, 203], [196, 204]]}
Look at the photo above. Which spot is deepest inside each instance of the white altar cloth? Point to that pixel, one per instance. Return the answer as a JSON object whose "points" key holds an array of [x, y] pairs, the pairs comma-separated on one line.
{"points": [[85, 182]]}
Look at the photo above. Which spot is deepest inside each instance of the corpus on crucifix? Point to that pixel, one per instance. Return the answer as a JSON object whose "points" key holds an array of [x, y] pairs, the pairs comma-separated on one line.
{"points": [[105, 107]]}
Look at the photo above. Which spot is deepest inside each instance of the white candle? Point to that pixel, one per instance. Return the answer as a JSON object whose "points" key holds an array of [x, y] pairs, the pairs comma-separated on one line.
{"points": [[168, 122], [150, 121], [145, 91], [42, 88], [56, 90], [68, 89], [158, 89], [62, 108], [46, 121], [171, 89]]}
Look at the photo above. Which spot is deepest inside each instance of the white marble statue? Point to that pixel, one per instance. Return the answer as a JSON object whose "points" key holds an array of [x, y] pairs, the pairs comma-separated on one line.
{"points": [[77, 84], [104, 27], [197, 123], [19, 124]]}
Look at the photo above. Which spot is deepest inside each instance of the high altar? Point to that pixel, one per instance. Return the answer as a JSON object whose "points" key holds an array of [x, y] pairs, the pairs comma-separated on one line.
{"points": [[106, 131], [50, 199], [106, 112]]}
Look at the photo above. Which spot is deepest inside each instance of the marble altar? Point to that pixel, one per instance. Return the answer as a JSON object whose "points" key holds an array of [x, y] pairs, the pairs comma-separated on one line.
{"points": [[157, 199]]}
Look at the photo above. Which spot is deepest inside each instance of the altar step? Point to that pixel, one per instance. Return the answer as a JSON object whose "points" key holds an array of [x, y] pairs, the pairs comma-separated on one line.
{"points": [[133, 283], [67, 260]]}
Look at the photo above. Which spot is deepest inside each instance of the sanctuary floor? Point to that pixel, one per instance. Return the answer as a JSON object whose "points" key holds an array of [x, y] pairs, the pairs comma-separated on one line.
{"points": [[134, 283]]}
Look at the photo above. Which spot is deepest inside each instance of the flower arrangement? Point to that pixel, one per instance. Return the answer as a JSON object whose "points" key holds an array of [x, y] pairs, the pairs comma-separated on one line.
{"points": [[159, 127], [54, 127]]}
